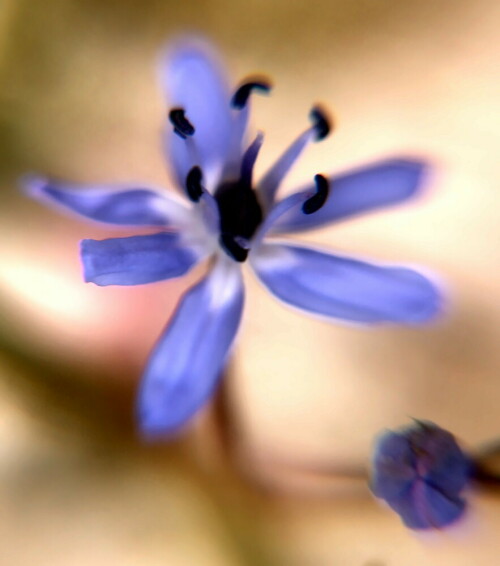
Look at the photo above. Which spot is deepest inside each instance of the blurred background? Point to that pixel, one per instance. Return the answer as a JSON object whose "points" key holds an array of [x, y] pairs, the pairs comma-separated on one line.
{"points": [[274, 472]]}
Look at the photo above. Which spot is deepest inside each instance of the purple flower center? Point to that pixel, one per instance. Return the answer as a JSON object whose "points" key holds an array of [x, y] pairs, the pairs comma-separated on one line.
{"points": [[240, 211]]}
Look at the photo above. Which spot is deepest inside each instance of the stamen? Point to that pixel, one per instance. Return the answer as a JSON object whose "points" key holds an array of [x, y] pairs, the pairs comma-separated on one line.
{"points": [[194, 187], [242, 94], [321, 122], [314, 203], [272, 179], [248, 160], [232, 247], [182, 126]]}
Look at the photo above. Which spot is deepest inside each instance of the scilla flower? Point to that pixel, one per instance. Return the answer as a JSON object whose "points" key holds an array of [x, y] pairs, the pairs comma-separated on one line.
{"points": [[421, 472], [229, 218]]}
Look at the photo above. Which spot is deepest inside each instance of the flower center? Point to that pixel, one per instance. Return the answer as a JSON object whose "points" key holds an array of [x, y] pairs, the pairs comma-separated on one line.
{"points": [[240, 212], [239, 208], [240, 216]]}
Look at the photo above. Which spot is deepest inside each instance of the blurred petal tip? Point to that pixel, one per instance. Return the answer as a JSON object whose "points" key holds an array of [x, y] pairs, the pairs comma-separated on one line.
{"points": [[33, 185]]}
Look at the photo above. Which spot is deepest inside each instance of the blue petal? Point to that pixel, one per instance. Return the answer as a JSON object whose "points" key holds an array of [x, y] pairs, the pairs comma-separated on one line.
{"points": [[187, 362], [272, 179], [278, 209], [451, 472], [193, 80], [424, 507], [394, 466], [209, 212], [130, 207], [441, 510], [442, 462], [345, 288], [371, 187], [236, 146], [136, 260]]}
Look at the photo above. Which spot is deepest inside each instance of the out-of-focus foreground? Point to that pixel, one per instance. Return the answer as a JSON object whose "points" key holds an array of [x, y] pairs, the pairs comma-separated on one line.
{"points": [[79, 100]]}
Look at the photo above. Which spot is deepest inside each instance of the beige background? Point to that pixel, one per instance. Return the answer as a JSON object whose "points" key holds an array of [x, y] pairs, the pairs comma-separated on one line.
{"points": [[79, 100]]}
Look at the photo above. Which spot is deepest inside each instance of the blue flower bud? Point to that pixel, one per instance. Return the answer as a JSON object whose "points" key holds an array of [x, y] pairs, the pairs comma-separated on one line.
{"points": [[421, 472]]}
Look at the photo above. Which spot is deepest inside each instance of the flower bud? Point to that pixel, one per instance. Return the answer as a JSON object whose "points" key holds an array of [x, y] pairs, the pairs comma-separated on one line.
{"points": [[421, 472]]}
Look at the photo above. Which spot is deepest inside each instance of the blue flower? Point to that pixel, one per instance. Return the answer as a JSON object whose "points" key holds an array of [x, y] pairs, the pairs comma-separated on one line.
{"points": [[228, 217], [421, 472]]}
